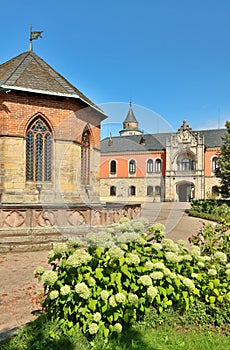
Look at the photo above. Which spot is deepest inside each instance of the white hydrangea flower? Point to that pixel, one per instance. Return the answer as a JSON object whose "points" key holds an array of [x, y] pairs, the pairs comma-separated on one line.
{"points": [[201, 264], [120, 298], [172, 275], [166, 271], [145, 280], [149, 265], [125, 227], [159, 265], [227, 272], [157, 246], [115, 253], [132, 298], [195, 250], [112, 301], [204, 258], [124, 246], [170, 245], [101, 239], [124, 219], [157, 275], [104, 295], [78, 258], [172, 257], [54, 294], [182, 242], [144, 221], [138, 226], [117, 328], [212, 272], [65, 290], [93, 328], [186, 257], [132, 259], [97, 316], [157, 227], [221, 257], [188, 283], [128, 237], [152, 292], [60, 248], [49, 277], [39, 270], [82, 290]]}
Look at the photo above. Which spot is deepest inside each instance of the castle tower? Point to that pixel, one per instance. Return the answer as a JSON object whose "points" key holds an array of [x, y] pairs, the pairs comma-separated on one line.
{"points": [[130, 124]]}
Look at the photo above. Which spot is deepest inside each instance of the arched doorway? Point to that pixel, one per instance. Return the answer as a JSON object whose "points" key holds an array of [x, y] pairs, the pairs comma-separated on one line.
{"points": [[185, 191]]}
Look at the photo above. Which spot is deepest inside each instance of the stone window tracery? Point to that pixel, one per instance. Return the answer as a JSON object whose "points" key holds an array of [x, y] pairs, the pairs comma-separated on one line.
{"points": [[38, 151]]}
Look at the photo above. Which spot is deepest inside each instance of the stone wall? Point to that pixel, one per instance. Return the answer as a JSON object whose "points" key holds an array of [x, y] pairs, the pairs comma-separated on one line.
{"points": [[63, 219]]}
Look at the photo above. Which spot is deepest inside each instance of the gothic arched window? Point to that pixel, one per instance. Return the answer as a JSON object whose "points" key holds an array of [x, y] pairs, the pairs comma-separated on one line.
{"points": [[85, 157], [38, 151]]}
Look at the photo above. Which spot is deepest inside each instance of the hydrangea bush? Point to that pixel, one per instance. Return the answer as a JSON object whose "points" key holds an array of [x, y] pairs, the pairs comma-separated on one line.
{"points": [[121, 274]]}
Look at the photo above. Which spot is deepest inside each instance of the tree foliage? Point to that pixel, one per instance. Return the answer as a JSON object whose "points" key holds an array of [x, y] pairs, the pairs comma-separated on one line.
{"points": [[223, 162]]}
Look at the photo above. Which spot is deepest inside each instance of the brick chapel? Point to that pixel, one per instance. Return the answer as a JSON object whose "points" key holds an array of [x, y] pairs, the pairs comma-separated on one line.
{"points": [[49, 135]]}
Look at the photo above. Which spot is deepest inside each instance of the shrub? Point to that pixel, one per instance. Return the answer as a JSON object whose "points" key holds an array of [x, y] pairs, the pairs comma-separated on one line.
{"points": [[104, 289]]}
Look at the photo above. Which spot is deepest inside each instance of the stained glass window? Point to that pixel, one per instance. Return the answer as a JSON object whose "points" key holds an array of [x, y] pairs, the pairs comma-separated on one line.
{"points": [[85, 157], [38, 152]]}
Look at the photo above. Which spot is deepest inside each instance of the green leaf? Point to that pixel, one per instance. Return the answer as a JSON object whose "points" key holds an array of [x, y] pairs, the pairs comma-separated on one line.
{"points": [[216, 291], [125, 271], [116, 315], [177, 282], [134, 287], [99, 252], [211, 285], [212, 299], [121, 261], [170, 290], [106, 332], [104, 308], [92, 304], [98, 273]]}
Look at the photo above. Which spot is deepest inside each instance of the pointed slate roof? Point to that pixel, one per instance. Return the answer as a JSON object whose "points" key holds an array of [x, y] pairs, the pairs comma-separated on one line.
{"points": [[28, 72], [130, 118]]}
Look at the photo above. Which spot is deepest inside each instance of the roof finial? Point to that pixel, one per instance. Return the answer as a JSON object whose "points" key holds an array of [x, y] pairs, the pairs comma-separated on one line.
{"points": [[34, 36], [130, 101]]}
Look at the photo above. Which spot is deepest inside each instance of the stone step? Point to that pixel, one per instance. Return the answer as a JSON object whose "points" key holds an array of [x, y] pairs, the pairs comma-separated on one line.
{"points": [[25, 247], [31, 238], [25, 241]]}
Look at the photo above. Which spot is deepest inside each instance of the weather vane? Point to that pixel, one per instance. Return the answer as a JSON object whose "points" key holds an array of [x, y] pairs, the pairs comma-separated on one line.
{"points": [[34, 36]]}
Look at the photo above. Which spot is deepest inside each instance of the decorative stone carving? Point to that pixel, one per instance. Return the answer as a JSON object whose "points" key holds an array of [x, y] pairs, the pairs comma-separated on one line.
{"points": [[14, 218], [75, 218]]}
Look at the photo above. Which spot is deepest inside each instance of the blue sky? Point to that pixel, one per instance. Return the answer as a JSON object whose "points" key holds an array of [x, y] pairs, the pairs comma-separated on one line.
{"points": [[172, 58]]}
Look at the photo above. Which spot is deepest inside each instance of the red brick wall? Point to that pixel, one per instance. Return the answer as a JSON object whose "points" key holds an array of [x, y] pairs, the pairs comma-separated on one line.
{"points": [[67, 117]]}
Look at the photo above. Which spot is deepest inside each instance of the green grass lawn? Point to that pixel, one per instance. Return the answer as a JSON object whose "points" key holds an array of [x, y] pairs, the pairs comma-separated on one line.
{"points": [[36, 336]]}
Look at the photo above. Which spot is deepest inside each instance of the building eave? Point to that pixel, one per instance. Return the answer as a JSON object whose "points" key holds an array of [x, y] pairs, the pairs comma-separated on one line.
{"points": [[50, 93]]}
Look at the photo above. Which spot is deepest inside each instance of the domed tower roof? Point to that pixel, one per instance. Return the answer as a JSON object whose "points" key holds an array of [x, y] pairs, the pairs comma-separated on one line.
{"points": [[130, 124]]}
